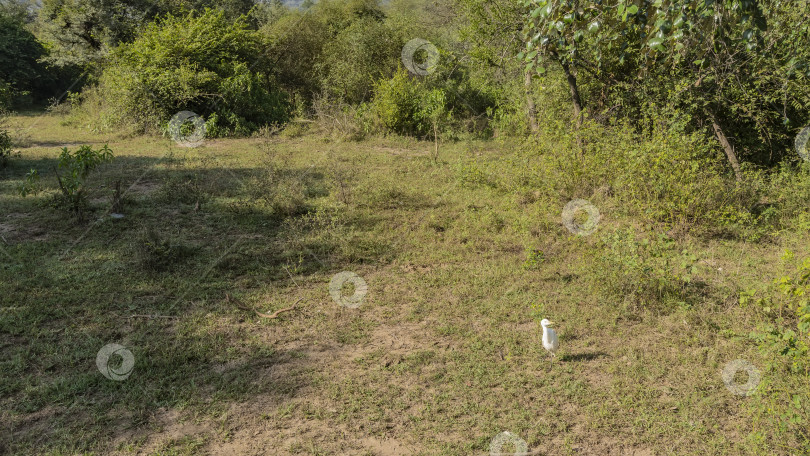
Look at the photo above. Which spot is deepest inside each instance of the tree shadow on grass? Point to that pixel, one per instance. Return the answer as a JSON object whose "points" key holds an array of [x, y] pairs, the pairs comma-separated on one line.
{"points": [[198, 355]]}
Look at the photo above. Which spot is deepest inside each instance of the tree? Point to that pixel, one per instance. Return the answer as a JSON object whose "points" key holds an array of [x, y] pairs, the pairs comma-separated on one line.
{"points": [[206, 64], [21, 73], [82, 32], [709, 59]]}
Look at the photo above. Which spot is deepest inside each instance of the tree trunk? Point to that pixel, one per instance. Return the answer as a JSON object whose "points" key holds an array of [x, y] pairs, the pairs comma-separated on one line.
{"points": [[727, 148], [572, 85], [530, 107]]}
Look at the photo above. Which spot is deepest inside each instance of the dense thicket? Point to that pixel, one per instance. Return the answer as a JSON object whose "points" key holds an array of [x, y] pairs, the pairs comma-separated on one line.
{"points": [[22, 75], [737, 69], [202, 63], [83, 32]]}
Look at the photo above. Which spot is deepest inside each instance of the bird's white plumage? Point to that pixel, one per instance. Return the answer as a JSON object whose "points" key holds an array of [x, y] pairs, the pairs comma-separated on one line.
{"points": [[550, 341]]}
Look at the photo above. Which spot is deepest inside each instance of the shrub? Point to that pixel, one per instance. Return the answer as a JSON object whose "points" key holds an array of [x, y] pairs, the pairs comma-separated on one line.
{"points": [[786, 305], [342, 120], [789, 192], [5, 141], [644, 272], [784, 340], [6, 94], [407, 106], [75, 169], [366, 51], [21, 72], [663, 175], [205, 64], [396, 103]]}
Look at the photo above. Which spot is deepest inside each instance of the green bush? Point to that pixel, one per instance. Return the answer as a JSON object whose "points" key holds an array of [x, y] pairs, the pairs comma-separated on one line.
{"points": [[5, 148], [5, 141], [205, 64], [396, 103], [407, 106], [789, 192], [21, 73], [782, 409], [366, 51], [663, 175], [72, 174], [643, 272]]}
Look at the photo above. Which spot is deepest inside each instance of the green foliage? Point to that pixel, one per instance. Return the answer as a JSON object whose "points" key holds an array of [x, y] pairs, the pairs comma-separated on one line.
{"points": [[673, 177], [72, 173], [205, 64], [788, 332], [31, 184], [5, 148], [335, 49], [78, 165], [784, 340], [405, 105], [5, 141], [296, 40], [21, 73], [83, 32], [740, 63], [788, 191], [645, 272], [396, 102], [366, 51]]}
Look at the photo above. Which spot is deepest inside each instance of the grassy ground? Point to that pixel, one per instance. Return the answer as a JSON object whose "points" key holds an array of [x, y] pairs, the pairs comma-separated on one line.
{"points": [[442, 355]]}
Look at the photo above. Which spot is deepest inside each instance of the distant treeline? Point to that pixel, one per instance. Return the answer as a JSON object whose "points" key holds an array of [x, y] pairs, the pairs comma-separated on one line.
{"points": [[735, 72]]}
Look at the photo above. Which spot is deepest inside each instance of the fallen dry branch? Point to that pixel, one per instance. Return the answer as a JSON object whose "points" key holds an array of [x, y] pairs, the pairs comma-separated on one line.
{"points": [[151, 316], [275, 314]]}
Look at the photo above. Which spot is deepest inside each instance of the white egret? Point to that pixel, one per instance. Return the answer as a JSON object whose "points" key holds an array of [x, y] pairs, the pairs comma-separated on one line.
{"points": [[550, 341]]}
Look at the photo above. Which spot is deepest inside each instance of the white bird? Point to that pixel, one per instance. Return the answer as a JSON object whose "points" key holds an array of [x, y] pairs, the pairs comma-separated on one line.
{"points": [[550, 341]]}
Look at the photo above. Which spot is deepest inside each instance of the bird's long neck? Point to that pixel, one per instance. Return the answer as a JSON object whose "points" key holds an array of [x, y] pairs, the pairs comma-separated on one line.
{"points": [[545, 333]]}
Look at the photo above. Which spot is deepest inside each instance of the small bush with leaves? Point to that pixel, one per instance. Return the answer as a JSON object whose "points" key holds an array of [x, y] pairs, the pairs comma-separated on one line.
{"points": [[5, 141], [5, 148], [788, 311], [72, 173], [645, 272], [782, 410]]}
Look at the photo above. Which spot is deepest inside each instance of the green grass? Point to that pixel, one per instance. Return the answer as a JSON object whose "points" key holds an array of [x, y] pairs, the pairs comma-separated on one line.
{"points": [[443, 354]]}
